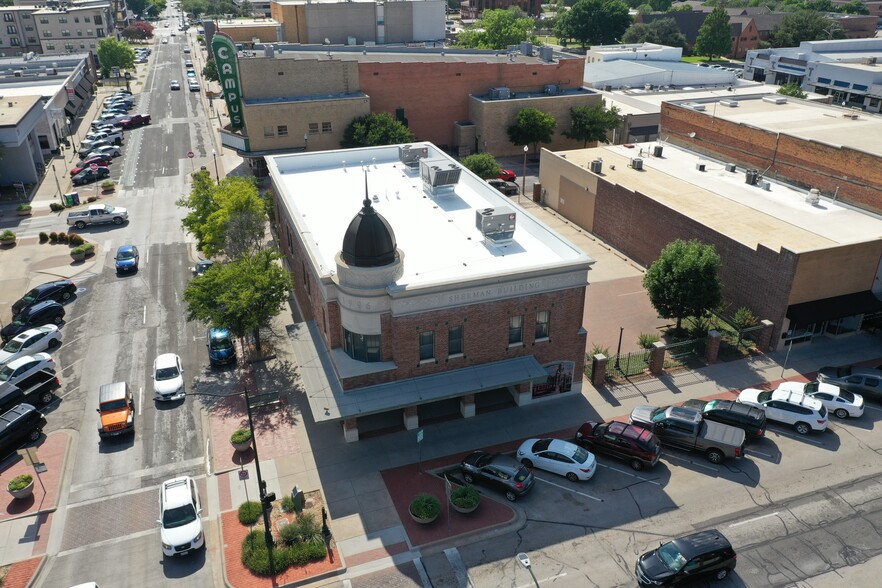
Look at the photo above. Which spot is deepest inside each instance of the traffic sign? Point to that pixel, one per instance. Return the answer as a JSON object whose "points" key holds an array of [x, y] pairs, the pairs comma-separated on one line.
{"points": [[190, 154], [93, 167]]}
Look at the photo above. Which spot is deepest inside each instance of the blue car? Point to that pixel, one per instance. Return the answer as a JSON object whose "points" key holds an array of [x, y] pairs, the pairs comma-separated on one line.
{"points": [[221, 350], [127, 259]]}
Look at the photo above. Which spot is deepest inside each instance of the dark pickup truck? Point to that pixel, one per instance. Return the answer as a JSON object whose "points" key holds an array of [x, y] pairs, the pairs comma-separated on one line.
{"points": [[135, 120], [34, 389], [685, 428]]}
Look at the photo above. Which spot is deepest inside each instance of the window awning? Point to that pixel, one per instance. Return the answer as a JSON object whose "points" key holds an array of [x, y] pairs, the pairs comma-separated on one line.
{"points": [[836, 307]]}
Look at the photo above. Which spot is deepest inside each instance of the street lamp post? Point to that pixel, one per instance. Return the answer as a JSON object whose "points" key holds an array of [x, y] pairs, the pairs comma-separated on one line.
{"points": [[57, 185], [265, 499], [216, 172], [619, 350], [524, 560], [524, 175]]}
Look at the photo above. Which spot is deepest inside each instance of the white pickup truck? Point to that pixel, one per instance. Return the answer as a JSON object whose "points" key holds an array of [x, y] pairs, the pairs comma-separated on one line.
{"points": [[98, 214]]}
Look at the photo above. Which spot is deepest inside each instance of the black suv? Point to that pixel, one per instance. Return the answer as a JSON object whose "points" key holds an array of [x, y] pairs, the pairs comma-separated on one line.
{"points": [[24, 422], [750, 419], [704, 555], [59, 291], [38, 315], [500, 471]]}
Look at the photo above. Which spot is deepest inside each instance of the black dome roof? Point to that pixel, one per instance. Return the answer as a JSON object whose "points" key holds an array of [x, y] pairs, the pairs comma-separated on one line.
{"points": [[369, 240]]}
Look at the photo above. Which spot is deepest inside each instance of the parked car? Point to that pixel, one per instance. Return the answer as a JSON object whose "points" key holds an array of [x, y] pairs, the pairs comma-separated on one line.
{"points": [[507, 175], [191, 75], [20, 424], [840, 402], [193, 86], [202, 266], [174, 85], [749, 419], [34, 388], [116, 410], [686, 429], [558, 457], [856, 379], [39, 314], [107, 119], [221, 350], [115, 137], [636, 445], [704, 555], [126, 259], [87, 147], [791, 408], [168, 378], [502, 472], [88, 176], [135, 120], [180, 525], [86, 164], [106, 150], [57, 290], [21, 368], [507, 188], [98, 214], [188, 64], [30, 342], [186, 49]]}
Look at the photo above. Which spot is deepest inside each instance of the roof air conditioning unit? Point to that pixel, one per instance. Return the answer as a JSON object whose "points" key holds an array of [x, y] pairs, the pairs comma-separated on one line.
{"points": [[546, 54], [730, 167], [767, 186], [751, 176], [700, 166], [775, 99], [439, 172], [813, 197], [597, 166], [636, 163], [496, 224], [410, 155], [657, 151], [500, 93], [526, 48]]}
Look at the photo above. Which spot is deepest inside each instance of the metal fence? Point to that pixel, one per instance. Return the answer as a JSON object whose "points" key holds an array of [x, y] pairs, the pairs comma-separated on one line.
{"points": [[629, 364]]}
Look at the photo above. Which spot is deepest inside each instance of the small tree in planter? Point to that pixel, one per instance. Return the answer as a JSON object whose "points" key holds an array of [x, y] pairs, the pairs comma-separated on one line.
{"points": [[56, 207], [7, 237], [108, 185], [249, 512], [241, 440], [465, 499], [23, 209], [425, 508], [80, 252], [21, 486]]}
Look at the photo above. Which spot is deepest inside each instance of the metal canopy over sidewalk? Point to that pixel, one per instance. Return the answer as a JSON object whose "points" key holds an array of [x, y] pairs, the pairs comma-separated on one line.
{"points": [[329, 402]]}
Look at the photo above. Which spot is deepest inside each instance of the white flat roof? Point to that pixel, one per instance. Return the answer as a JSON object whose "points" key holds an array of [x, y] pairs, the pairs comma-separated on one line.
{"points": [[324, 191]]}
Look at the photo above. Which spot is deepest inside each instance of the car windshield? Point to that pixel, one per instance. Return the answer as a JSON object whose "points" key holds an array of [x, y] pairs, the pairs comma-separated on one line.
{"points": [[764, 396], [671, 557], [30, 296], [13, 346], [126, 254], [114, 404], [167, 373], [658, 414], [811, 388], [581, 455], [6, 373], [178, 517], [221, 344]]}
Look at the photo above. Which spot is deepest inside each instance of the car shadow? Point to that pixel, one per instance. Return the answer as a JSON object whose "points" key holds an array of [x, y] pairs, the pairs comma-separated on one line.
{"points": [[828, 440], [741, 471], [168, 404], [183, 566], [116, 444]]}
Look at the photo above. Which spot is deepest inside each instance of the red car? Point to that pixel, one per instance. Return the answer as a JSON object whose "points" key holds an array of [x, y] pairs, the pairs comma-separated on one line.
{"points": [[99, 161], [135, 120], [636, 445], [507, 175]]}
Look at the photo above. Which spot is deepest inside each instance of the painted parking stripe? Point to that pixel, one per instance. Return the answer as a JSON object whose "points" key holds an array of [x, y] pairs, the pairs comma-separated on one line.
{"points": [[569, 489], [755, 452], [754, 519], [627, 473], [872, 407], [695, 463], [797, 437], [539, 581]]}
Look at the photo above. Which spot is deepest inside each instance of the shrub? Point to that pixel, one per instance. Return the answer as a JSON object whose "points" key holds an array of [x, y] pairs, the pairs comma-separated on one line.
{"points": [[107, 184], [425, 506], [88, 248], [646, 340], [287, 503], [78, 250], [20, 482], [305, 529], [76, 239], [53, 236], [7, 235], [249, 512], [43, 237], [465, 497], [23, 207], [63, 238], [598, 350], [240, 436], [255, 556], [91, 199], [55, 207]]}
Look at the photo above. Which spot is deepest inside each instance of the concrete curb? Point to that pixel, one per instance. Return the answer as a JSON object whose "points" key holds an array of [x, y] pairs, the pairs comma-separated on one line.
{"points": [[37, 571]]}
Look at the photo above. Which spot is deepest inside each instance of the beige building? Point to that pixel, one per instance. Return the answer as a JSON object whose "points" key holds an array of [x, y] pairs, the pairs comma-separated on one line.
{"points": [[247, 30], [18, 34], [74, 27]]}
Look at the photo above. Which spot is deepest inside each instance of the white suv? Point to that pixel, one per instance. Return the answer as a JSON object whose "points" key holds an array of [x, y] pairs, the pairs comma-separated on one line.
{"points": [[790, 407], [180, 525]]}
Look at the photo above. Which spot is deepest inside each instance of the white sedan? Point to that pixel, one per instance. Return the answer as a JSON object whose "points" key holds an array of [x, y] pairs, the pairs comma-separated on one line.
{"points": [[30, 342], [558, 457], [168, 377], [840, 402]]}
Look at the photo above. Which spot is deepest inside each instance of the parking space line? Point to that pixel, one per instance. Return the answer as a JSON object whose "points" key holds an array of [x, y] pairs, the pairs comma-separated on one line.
{"points": [[140, 399], [542, 580], [569, 489], [695, 463], [754, 519], [872, 407], [627, 473], [755, 452], [799, 438]]}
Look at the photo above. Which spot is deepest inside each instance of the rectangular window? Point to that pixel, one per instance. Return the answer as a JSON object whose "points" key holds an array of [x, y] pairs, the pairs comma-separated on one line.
{"points": [[542, 319], [11, 29], [427, 345], [268, 132], [359, 347], [8, 17], [282, 130], [88, 32], [26, 17], [76, 19], [65, 33], [29, 28], [454, 340], [14, 42], [44, 20], [516, 330], [99, 32], [68, 46], [87, 19], [50, 47], [98, 19], [79, 33], [47, 33], [313, 128], [62, 19], [326, 127]]}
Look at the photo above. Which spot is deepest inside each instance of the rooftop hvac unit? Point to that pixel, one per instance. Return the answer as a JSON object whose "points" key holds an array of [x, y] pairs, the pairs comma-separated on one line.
{"points": [[552, 89], [269, 51], [813, 197], [700, 166], [751, 176], [500, 93], [496, 224], [526, 48], [410, 155], [729, 103], [730, 167], [767, 186], [697, 106], [546, 53], [869, 61], [439, 172], [775, 99], [636, 163], [597, 166], [657, 151]]}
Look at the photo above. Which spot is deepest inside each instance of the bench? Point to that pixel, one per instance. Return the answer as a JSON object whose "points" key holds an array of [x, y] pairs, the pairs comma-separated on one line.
{"points": [[265, 399]]}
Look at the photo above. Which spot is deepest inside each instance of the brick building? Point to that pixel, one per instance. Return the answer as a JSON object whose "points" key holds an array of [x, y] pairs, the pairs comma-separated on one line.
{"points": [[427, 293]]}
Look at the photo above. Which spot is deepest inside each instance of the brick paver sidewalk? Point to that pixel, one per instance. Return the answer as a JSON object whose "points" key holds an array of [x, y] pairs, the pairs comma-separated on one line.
{"points": [[51, 452]]}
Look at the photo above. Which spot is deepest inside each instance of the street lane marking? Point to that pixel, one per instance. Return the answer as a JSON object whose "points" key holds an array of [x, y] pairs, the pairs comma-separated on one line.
{"points": [[627, 473], [695, 463], [753, 520], [569, 489], [145, 315], [872, 407], [548, 579], [140, 399]]}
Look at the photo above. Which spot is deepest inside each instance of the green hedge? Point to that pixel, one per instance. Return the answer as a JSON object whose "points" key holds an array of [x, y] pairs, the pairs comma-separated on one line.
{"points": [[249, 512], [255, 556]]}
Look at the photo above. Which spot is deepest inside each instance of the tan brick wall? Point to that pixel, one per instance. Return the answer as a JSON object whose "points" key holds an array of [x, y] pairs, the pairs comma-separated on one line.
{"points": [[270, 77], [338, 21], [836, 271], [809, 164], [246, 34], [297, 116]]}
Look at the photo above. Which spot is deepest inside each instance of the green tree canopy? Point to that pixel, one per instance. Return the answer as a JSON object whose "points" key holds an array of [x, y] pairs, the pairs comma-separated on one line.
{"points": [[663, 31], [194, 7], [660, 5], [137, 6], [496, 29], [210, 69], [113, 53], [715, 35], [854, 7], [133, 33], [482, 165], [375, 129], [805, 25], [532, 127], [245, 8], [202, 204], [238, 225], [594, 22], [684, 281], [592, 123], [792, 89], [242, 295]]}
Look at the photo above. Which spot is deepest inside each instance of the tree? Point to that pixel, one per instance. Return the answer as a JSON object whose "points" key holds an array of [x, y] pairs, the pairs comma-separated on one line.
{"points": [[113, 53], [684, 281], [592, 123], [497, 29], [663, 31], [137, 6], [595, 22], [375, 129], [660, 5], [210, 69], [792, 89], [743, 319], [482, 165], [132, 33], [245, 8], [804, 25], [146, 27], [532, 127], [202, 205], [854, 7], [194, 7], [243, 295], [236, 227], [715, 35]]}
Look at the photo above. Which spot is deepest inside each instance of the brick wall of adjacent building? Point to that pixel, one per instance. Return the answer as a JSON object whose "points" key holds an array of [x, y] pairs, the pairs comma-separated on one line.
{"points": [[267, 32], [282, 126], [809, 164]]}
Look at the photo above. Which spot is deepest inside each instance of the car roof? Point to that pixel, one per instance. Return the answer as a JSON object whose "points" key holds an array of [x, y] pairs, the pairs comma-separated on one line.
{"points": [[684, 413], [700, 543], [109, 392], [176, 492], [563, 447], [125, 248], [797, 398], [40, 306], [15, 413], [732, 406], [629, 431], [27, 358], [27, 334], [166, 360]]}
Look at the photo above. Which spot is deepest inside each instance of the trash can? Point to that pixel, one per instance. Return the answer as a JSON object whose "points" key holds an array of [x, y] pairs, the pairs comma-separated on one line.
{"points": [[297, 496], [68, 200], [76, 198]]}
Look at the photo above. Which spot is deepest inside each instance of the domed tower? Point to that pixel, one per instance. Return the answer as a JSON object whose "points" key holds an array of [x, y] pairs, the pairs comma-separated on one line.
{"points": [[368, 262]]}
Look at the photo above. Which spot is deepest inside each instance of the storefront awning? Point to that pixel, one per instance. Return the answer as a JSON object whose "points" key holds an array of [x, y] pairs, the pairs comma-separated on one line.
{"points": [[826, 309]]}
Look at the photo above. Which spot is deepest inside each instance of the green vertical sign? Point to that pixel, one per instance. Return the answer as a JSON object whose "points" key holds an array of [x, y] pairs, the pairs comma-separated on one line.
{"points": [[225, 57]]}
